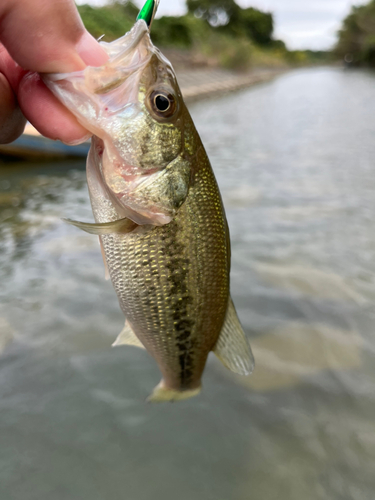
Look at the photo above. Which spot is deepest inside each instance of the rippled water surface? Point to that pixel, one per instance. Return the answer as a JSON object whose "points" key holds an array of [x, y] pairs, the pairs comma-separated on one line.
{"points": [[295, 160]]}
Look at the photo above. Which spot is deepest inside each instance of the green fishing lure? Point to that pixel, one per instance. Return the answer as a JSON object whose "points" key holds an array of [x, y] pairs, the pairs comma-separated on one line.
{"points": [[148, 11]]}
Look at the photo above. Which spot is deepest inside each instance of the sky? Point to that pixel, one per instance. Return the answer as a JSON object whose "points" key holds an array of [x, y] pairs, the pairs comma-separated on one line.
{"points": [[302, 24]]}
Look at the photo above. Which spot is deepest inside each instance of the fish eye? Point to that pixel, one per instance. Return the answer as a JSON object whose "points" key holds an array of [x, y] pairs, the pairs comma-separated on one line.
{"points": [[163, 103]]}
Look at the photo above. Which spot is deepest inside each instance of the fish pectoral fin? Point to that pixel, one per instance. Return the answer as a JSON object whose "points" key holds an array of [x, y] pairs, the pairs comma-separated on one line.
{"points": [[232, 347], [121, 226], [128, 337], [162, 394]]}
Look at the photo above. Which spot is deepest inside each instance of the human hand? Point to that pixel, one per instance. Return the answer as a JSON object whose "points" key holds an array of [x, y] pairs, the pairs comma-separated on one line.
{"points": [[41, 36]]}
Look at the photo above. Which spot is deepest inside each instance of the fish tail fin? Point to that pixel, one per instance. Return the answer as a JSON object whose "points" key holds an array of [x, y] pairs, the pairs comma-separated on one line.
{"points": [[162, 394]]}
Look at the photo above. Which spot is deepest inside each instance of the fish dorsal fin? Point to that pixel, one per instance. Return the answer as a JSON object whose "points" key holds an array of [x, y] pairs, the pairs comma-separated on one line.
{"points": [[128, 337], [232, 346]]}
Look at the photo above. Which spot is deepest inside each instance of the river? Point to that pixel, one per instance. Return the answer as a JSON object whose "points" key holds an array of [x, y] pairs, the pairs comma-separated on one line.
{"points": [[295, 160]]}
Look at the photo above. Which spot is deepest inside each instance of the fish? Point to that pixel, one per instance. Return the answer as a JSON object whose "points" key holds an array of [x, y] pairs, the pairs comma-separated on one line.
{"points": [[158, 212]]}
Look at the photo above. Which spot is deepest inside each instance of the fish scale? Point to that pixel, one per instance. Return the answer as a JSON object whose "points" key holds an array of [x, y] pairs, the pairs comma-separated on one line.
{"points": [[173, 281]]}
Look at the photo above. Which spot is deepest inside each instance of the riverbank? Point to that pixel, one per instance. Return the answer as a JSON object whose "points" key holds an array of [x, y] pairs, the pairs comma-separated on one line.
{"points": [[203, 83]]}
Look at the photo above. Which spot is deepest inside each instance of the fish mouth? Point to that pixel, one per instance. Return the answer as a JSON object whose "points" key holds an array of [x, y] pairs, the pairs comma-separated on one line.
{"points": [[129, 42], [126, 56]]}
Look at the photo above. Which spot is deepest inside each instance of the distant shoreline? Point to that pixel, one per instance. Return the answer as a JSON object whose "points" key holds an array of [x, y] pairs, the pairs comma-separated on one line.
{"points": [[205, 83]]}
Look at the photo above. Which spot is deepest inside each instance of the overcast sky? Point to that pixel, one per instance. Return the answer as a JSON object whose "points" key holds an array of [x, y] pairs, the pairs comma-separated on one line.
{"points": [[301, 24]]}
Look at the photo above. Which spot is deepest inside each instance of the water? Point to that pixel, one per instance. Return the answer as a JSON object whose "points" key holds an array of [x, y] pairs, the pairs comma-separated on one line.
{"points": [[295, 162]]}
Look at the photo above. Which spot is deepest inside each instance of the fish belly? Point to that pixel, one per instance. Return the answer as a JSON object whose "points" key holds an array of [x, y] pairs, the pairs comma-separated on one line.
{"points": [[173, 281]]}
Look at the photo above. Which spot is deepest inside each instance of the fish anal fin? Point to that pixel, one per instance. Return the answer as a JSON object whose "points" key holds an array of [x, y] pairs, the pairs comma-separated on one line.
{"points": [[128, 337], [232, 347], [121, 226]]}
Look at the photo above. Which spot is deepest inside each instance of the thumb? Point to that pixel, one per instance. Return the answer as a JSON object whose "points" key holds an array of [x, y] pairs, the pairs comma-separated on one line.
{"points": [[47, 36]]}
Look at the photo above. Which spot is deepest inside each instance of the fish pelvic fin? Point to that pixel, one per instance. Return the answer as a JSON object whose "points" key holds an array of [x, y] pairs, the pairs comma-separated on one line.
{"points": [[162, 394], [121, 226], [128, 337], [232, 347]]}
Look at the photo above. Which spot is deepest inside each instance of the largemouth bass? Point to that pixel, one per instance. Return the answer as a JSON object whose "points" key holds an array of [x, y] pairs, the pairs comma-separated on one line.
{"points": [[158, 213]]}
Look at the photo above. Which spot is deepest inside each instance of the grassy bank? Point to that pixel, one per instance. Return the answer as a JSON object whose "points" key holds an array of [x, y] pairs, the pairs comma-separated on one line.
{"points": [[244, 41]]}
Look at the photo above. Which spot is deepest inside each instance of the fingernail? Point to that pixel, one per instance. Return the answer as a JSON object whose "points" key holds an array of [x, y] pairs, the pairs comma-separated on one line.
{"points": [[90, 51], [81, 140]]}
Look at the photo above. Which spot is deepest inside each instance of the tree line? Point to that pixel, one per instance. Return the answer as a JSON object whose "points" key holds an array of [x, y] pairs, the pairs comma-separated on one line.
{"points": [[224, 16], [218, 30], [356, 43]]}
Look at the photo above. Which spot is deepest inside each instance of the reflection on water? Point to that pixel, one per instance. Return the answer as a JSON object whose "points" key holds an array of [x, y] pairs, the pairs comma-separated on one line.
{"points": [[295, 162], [310, 281], [6, 334], [288, 355]]}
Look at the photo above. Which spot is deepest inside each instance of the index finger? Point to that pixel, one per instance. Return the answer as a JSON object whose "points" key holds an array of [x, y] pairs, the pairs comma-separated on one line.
{"points": [[47, 36]]}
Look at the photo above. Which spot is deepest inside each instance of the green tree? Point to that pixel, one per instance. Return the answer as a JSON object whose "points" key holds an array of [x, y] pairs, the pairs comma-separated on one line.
{"points": [[128, 8], [170, 31], [112, 20], [258, 25], [356, 42], [228, 17]]}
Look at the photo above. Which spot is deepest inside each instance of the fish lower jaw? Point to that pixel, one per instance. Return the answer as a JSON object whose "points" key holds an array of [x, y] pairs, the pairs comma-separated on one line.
{"points": [[163, 394]]}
